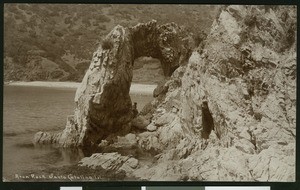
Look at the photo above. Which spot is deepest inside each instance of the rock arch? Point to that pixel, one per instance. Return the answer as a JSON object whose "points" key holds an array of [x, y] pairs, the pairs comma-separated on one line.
{"points": [[103, 104]]}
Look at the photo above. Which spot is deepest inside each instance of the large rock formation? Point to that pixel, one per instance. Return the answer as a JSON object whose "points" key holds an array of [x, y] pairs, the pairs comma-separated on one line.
{"points": [[228, 115], [244, 79], [103, 104], [246, 74]]}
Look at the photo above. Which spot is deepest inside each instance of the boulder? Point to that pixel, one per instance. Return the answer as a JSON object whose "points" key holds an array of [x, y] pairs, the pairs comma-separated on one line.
{"points": [[43, 138], [151, 127], [165, 119], [128, 140], [111, 162], [140, 122]]}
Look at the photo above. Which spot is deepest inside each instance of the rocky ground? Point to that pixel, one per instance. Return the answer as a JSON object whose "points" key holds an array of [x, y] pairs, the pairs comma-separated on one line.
{"points": [[227, 114]]}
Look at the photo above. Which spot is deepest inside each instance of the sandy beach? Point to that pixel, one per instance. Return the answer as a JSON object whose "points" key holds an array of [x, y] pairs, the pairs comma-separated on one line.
{"points": [[142, 89]]}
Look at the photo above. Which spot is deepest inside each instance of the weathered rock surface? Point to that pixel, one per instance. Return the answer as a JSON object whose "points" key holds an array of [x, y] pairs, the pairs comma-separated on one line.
{"points": [[140, 122], [244, 78], [103, 104], [247, 75], [111, 162]]}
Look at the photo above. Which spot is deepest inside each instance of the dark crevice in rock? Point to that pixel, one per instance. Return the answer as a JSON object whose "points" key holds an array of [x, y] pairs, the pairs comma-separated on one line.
{"points": [[207, 120]]}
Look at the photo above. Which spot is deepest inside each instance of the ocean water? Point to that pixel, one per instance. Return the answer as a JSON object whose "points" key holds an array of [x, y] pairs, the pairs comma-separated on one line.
{"points": [[27, 110]]}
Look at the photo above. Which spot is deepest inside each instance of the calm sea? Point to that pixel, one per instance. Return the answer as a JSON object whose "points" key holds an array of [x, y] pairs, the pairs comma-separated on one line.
{"points": [[28, 110]]}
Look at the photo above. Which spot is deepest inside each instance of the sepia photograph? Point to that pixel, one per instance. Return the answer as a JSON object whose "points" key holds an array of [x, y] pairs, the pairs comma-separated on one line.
{"points": [[149, 92]]}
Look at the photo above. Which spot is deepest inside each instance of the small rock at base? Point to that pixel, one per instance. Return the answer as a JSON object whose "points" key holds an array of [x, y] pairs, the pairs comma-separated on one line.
{"points": [[151, 128]]}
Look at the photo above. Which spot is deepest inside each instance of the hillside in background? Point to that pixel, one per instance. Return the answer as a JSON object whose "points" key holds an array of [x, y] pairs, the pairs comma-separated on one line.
{"points": [[55, 41]]}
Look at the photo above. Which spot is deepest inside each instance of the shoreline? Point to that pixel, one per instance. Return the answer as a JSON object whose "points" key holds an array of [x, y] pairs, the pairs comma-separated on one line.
{"points": [[136, 88]]}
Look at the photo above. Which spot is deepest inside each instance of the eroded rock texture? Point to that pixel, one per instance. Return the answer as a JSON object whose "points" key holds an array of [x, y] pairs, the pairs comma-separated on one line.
{"points": [[103, 105], [246, 74], [114, 162], [245, 81]]}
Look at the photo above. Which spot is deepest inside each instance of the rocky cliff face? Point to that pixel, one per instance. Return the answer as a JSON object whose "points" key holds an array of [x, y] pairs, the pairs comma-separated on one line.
{"points": [[232, 114], [229, 114], [103, 105]]}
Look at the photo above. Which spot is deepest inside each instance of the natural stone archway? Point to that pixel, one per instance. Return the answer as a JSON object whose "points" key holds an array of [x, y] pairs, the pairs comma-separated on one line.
{"points": [[103, 104], [166, 43]]}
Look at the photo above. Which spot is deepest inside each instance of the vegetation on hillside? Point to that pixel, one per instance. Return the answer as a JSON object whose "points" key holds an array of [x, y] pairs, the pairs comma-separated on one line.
{"points": [[56, 41]]}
